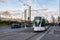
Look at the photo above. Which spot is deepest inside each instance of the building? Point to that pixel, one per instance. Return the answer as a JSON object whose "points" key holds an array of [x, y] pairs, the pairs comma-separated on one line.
{"points": [[18, 14]]}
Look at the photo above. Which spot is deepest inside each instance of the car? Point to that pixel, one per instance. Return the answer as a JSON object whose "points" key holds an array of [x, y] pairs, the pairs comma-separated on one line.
{"points": [[22, 25], [29, 25], [15, 25]]}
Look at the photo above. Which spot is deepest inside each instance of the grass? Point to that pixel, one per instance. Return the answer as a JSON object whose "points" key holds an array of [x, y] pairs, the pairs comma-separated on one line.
{"points": [[7, 24], [4, 25]]}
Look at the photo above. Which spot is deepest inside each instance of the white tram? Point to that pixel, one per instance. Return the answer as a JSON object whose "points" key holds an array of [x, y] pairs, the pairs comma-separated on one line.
{"points": [[39, 24]]}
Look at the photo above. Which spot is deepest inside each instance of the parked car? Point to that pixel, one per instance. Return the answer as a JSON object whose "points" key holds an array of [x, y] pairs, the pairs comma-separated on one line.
{"points": [[22, 25], [29, 25], [15, 25]]}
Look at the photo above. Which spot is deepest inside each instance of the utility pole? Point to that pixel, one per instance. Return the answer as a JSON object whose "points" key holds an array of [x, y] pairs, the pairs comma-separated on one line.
{"points": [[25, 18]]}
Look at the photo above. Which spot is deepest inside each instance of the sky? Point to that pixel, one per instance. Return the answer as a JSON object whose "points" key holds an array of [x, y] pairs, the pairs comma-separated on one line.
{"points": [[35, 4]]}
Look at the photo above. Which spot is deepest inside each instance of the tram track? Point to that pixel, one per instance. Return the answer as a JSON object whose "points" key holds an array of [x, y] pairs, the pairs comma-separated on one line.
{"points": [[39, 35], [6, 35], [29, 35], [32, 36]]}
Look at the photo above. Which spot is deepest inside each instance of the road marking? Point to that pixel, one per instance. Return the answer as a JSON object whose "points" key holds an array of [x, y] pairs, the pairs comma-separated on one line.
{"points": [[39, 38]]}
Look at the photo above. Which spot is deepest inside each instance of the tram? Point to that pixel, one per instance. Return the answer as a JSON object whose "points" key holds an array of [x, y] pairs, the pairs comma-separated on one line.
{"points": [[39, 24]]}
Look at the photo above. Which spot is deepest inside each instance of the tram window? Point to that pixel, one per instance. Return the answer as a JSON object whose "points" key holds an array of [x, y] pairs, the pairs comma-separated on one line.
{"points": [[37, 22], [43, 23]]}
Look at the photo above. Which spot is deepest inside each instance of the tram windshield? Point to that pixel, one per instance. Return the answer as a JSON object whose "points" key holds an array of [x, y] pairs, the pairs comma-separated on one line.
{"points": [[37, 21]]}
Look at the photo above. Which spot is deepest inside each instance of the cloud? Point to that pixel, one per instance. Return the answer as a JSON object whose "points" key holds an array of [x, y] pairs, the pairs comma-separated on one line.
{"points": [[4, 1], [35, 4]]}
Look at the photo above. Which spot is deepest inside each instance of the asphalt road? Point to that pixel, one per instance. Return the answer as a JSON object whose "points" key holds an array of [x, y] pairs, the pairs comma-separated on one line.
{"points": [[18, 34], [53, 33]]}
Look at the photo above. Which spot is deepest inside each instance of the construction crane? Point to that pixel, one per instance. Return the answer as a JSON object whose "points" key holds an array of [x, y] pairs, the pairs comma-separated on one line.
{"points": [[27, 3]]}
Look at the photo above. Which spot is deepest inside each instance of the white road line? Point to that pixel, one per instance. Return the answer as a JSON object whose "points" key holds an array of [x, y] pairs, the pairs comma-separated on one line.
{"points": [[39, 38]]}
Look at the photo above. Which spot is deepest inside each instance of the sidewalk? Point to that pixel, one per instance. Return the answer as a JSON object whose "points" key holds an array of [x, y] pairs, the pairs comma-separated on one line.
{"points": [[54, 34]]}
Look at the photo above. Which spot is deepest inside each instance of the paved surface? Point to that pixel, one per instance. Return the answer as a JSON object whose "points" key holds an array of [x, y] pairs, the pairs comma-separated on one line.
{"points": [[53, 34], [17, 34], [6, 30]]}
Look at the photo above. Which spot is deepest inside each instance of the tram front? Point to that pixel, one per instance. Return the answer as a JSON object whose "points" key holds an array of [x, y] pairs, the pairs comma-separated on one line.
{"points": [[39, 24]]}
